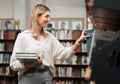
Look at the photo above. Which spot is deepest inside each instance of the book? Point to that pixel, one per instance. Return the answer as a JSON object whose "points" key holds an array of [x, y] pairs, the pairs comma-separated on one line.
{"points": [[89, 40], [76, 34], [27, 57]]}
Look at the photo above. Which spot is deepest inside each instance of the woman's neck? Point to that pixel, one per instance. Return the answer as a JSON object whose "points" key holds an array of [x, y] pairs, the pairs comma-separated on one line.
{"points": [[36, 33]]}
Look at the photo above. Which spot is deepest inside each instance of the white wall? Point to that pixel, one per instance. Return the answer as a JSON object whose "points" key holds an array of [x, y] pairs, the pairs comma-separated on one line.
{"points": [[6, 8], [21, 9], [20, 12], [67, 8]]}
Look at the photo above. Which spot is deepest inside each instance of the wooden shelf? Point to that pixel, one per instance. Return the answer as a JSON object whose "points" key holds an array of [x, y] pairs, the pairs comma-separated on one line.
{"points": [[66, 40], [81, 53], [7, 52], [7, 40], [68, 78], [8, 44], [71, 65], [7, 76], [4, 64]]}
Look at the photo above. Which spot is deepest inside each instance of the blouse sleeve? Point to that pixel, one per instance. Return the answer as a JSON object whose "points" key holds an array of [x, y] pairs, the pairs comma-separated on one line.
{"points": [[61, 52], [15, 64]]}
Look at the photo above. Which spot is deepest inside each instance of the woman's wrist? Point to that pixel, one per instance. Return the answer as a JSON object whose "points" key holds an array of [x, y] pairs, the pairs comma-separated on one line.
{"points": [[76, 45]]}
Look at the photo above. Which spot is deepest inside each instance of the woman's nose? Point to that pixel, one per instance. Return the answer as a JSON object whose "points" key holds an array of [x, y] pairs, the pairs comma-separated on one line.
{"points": [[48, 19]]}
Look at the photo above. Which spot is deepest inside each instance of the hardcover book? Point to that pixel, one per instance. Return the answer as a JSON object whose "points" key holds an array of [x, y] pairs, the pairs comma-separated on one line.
{"points": [[26, 57]]}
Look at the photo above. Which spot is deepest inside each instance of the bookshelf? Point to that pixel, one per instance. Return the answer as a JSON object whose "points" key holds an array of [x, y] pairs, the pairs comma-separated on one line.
{"points": [[7, 76], [71, 70]]}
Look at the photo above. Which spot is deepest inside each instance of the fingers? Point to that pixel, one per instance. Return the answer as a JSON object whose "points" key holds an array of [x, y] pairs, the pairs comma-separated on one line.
{"points": [[84, 31], [39, 60], [34, 64], [85, 34], [37, 63]]}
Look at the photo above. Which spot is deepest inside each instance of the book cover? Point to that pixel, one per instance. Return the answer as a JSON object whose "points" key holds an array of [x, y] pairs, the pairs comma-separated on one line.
{"points": [[26, 55], [88, 44], [89, 40]]}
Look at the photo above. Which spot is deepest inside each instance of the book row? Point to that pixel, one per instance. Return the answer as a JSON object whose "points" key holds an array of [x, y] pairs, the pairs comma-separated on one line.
{"points": [[67, 72], [8, 34], [8, 47], [71, 60], [6, 81], [4, 58], [66, 82], [4, 71], [68, 44], [66, 34]]}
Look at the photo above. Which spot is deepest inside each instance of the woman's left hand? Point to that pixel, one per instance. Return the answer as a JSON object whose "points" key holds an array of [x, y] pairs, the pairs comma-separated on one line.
{"points": [[83, 36]]}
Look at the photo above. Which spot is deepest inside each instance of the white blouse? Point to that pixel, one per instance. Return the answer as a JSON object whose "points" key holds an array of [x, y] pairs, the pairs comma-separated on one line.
{"points": [[50, 48]]}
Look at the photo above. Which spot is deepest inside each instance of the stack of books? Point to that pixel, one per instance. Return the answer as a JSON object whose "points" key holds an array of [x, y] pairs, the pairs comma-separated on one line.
{"points": [[27, 57]]}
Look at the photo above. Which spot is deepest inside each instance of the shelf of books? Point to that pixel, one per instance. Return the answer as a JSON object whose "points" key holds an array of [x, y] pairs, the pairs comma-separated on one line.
{"points": [[7, 76], [68, 80], [71, 70]]}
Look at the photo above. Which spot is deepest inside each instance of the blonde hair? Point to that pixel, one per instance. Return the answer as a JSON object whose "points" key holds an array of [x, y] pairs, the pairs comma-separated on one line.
{"points": [[38, 10]]}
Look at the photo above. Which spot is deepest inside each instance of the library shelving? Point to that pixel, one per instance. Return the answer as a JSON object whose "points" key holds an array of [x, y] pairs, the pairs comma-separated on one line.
{"points": [[71, 70], [7, 76]]}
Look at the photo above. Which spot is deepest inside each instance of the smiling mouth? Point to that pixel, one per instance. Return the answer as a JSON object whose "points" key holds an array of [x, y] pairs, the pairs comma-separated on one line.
{"points": [[45, 24]]}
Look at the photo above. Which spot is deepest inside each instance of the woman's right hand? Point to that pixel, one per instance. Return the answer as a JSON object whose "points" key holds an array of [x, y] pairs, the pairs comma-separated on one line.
{"points": [[38, 62]]}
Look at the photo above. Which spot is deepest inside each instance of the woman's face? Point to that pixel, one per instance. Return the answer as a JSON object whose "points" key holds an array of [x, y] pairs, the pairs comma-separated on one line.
{"points": [[44, 19]]}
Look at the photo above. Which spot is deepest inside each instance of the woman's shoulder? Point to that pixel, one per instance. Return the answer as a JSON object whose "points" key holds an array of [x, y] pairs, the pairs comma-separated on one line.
{"points": [[23, 33], [48, 33]]}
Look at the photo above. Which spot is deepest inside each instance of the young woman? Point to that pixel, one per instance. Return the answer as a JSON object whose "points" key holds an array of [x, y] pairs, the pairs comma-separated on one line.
{"points": [[47, 47]]}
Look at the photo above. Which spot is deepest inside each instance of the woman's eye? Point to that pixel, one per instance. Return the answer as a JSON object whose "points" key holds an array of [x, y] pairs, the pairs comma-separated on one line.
{"points": [[47, 16]]}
